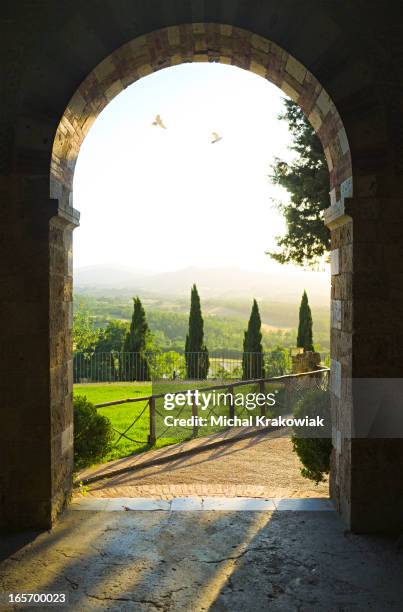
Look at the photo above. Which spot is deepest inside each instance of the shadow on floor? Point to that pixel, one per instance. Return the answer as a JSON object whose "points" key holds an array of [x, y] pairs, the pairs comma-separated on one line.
{"points": [[10, 543], [192, 561]]}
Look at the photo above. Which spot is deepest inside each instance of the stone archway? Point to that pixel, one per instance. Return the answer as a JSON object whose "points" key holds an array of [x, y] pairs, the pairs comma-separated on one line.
{"points": [[354, 51], [197, 42]]}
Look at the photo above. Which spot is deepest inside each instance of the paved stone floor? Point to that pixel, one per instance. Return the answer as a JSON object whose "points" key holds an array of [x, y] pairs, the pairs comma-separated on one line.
{"points": [[200, 504], [260, 466], [199, 561]]}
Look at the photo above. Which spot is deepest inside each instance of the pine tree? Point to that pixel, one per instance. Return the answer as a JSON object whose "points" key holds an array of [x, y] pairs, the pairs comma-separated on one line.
{"points": [[136, 364], [307, 238], [252, 359], [196, 353], [305, 337]]}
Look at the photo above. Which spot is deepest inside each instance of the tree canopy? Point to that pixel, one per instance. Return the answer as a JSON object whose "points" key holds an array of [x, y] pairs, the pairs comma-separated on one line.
{"points": [[307, 239], [85, 336], [112, 338]]}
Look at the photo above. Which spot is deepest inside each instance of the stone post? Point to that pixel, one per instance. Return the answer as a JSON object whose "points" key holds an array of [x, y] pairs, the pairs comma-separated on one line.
{"points": [[305, 362]]}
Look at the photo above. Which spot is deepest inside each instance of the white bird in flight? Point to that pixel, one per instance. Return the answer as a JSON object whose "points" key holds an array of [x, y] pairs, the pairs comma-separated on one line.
{"points": [[216, 137], [158, 122]]}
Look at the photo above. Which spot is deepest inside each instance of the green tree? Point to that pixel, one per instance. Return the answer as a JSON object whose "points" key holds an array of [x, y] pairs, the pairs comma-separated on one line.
{"points": [[135, 363], [112, 338], [307, 239], [196, 353], [305, 337], [252, 359], [85, 336], [278, 362], [107, 361]]}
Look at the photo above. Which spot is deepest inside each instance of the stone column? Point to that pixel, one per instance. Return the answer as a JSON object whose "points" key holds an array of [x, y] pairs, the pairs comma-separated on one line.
{"points": [[366, 345], [35, 353], [60, 344], [341, 261]]}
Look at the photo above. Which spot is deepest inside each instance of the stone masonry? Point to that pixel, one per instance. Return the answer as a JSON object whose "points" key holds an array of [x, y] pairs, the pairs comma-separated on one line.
{"points": [[62, 63]]}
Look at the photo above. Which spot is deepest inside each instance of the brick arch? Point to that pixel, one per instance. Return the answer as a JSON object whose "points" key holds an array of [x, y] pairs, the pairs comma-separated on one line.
{"points": [[198, 42]]}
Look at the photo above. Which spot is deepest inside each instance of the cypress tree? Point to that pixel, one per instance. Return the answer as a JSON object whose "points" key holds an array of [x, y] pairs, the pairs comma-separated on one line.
{"points": [[305, 337], [136, 366], [252, 359], [196, 353]]}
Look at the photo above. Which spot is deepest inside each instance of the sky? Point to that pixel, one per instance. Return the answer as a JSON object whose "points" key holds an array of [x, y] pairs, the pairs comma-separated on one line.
{"points": [[164, 199]]}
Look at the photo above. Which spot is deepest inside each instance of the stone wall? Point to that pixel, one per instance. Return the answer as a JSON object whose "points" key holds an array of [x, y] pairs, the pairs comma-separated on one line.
{"points": [[367, 336], [62, 63]]}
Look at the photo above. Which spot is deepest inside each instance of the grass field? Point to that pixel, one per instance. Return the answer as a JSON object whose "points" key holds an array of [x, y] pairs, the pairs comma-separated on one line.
{"points": [[123, 415]]}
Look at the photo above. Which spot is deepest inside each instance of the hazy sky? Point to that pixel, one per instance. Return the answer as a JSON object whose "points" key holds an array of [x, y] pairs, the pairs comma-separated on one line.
{"points": [[166, 199]]}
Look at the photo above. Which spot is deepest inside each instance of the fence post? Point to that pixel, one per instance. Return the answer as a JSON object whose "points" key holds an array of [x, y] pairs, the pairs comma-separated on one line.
{"points": [[195, 412], [231, 405], [261, 390], [152, 436], [287, 395]]}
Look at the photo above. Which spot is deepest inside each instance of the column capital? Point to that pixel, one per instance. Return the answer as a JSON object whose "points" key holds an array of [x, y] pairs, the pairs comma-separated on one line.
{"points": [[336, 215], [65, 217]]}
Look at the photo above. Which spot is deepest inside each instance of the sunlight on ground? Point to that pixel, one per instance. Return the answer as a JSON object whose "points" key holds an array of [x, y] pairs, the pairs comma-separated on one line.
{"points": [[211, 589]]}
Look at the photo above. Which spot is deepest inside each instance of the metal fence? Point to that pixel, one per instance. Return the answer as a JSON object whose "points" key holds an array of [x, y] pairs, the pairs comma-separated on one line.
{"points": [[289, 389], [121, 366]]}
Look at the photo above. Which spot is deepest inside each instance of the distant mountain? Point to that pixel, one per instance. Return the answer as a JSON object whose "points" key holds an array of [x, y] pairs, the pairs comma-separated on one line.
{"points": [[108, 276], [213, 283]]}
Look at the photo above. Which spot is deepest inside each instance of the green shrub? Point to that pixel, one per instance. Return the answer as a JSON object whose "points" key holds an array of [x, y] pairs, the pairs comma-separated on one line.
{"points": [[314, 452], [93, 433]]}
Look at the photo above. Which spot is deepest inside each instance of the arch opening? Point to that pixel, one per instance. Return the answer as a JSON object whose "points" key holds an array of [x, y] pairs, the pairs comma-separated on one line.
{"points": [[198, 43], [124, 122], [169, 47]]}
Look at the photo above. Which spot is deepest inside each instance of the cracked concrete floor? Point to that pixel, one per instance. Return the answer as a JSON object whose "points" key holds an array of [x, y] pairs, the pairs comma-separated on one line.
{"points": [[219, 561]]}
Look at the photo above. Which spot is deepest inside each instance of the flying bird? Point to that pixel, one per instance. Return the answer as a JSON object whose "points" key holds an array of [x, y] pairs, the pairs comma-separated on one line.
{"points": [[216, 137], [158, 122]]}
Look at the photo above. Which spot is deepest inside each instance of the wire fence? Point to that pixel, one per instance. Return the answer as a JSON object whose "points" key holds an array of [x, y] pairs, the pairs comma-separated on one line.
{"points": [[148, 366], [287, 389]]}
